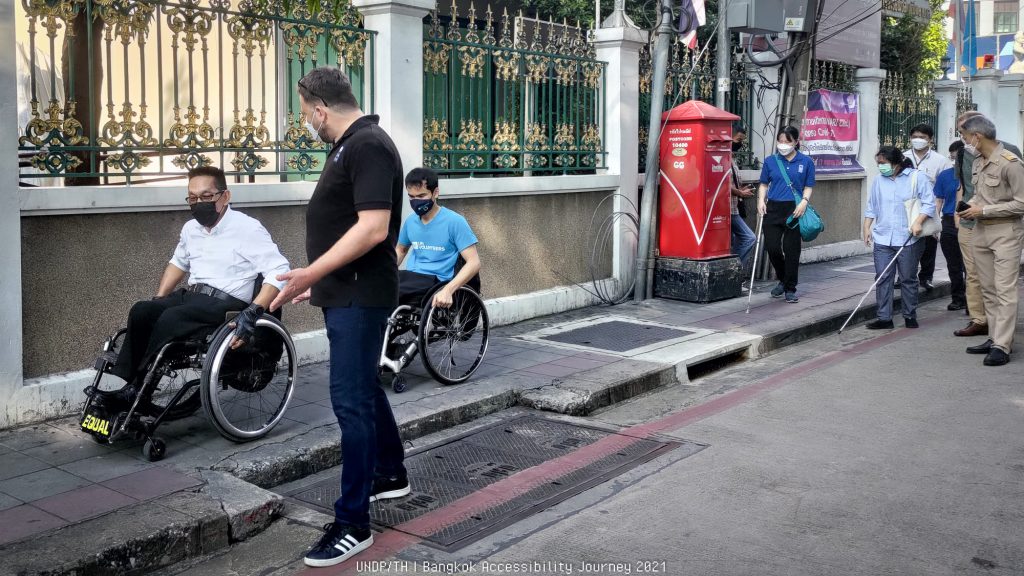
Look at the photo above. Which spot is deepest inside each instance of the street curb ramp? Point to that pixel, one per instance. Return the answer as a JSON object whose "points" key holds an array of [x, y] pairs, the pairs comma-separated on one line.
{"points": [[165, 531]]}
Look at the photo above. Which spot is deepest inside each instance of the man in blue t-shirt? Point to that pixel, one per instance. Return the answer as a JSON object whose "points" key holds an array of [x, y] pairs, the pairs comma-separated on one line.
{"points": [[946, 187], [433, 238]]}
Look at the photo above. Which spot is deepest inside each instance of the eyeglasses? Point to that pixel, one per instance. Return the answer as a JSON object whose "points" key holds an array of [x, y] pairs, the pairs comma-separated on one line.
{"points": [[204, 197], [313, 94]]}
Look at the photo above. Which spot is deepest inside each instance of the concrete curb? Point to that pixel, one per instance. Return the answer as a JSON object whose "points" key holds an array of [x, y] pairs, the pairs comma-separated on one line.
{"points": [[151, 534]]}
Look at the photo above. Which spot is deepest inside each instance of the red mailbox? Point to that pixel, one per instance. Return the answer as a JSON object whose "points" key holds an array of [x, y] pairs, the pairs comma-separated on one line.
{"points": [[696, 160]]}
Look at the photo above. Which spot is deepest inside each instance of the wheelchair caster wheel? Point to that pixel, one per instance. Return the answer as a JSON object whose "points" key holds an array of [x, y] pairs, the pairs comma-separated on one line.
{"points": [[154, 449], [398, 384]]}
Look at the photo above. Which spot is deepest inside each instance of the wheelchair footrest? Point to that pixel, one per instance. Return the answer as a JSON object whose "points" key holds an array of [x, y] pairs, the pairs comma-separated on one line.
{"points": [[105, 360]]}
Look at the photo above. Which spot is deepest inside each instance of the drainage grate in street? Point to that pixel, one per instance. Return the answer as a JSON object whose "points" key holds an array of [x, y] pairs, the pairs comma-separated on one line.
{"points": [[477, 484], [617, 336]]}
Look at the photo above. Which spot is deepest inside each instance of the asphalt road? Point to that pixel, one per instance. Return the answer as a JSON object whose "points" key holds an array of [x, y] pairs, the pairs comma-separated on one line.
{"points": [[861, 454]]}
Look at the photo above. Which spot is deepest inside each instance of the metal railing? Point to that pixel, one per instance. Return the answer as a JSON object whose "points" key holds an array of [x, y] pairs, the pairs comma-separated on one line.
{"points": [[507, 99], [833, 76], [693, 77], [901, 106], [135, 91], [964, 99]]}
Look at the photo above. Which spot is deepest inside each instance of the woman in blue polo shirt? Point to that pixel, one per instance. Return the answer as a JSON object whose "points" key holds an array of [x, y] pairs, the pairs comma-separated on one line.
{"points": [[785, 176]]}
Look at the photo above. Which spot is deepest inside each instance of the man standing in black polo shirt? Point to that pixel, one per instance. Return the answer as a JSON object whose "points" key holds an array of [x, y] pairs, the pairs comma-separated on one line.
{"points": [[352, 224]]}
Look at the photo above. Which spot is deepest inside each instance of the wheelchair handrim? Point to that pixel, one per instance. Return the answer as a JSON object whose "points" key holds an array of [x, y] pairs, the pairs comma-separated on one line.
{"points": [[214, 363]]}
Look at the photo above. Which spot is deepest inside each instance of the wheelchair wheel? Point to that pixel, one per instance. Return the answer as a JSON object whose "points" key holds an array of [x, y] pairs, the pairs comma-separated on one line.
{"points": [[245, 392], [453, 340]]}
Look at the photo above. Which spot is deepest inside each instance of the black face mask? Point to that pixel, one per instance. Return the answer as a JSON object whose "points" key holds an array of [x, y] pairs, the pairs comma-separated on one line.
{"points": [[205, 213], [421, 206], [736, 146]]}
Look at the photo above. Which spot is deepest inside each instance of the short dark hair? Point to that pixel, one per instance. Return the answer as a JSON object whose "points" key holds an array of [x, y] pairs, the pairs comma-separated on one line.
{"points": [[956, 146], [422, 177], [892, 154], [738, 128], [219, 180], [329, 85], [925, 129], [791, 133]]}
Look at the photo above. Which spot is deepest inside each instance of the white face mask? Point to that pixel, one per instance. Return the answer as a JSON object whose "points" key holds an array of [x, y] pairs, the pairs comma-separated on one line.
{"points": [[784, 149], [314, 132], [919, 143], [969, 148]]}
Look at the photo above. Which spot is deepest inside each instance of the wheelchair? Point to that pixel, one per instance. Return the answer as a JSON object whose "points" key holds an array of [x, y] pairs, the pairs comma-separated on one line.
{"points": [[243, 392], [451, 342]]}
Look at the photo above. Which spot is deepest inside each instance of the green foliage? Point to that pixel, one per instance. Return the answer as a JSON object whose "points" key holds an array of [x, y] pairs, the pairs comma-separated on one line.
{"points": [[914, 49]]}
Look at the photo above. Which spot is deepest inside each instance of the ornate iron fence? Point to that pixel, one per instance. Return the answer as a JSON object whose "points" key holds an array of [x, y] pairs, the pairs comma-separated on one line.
{"points": [[903, 105], [499, 102], [964, 99], [130, 91], [833, 76], [693, 77]]}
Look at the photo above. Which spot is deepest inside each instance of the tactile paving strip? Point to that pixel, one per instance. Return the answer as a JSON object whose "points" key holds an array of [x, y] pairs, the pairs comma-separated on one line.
{"points": [[457, 471], [617, 336]]}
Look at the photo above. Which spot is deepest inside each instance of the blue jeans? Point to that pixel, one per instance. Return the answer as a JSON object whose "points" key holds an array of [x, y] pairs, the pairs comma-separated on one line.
{"points": [[743, 239], [907, 265], [370, 444]]}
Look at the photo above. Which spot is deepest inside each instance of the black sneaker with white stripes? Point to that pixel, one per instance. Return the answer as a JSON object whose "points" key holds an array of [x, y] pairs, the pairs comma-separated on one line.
{"points": [[385, 487], [339, 543]]}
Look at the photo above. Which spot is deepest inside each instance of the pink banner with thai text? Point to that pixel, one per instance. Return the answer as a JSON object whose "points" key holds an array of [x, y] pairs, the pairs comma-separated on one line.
{"points": [[830, 132]]}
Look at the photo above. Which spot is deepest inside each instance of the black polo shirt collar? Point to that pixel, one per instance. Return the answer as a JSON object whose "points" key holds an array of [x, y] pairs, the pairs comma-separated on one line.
{"points": [[359, 124]]}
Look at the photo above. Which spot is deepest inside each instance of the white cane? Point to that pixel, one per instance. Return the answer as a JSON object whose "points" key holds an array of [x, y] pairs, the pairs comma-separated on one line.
{"points": [[875, 283], [757, 250]]}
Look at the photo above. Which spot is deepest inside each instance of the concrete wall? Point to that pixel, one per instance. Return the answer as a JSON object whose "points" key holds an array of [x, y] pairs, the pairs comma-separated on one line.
{"points": [[81, 273]]}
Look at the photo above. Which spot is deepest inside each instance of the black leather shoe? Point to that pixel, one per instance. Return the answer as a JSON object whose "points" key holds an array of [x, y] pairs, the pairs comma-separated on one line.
{"points": [[880, 325], [911, 323], [927, 285], [996, 357], [956, 306], [981, 348]]}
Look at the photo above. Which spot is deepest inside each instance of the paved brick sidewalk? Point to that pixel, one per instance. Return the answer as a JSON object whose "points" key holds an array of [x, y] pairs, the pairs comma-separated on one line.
{"points": [[52, 475]]}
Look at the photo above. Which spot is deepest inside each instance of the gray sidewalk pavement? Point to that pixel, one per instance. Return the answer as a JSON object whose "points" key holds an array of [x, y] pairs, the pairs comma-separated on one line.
{"points": [[56, 483]]}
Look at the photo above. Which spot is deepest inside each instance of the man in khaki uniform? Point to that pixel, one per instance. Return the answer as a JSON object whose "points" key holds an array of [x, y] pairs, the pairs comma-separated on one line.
{"points": [[978, 326], [996, 208]]}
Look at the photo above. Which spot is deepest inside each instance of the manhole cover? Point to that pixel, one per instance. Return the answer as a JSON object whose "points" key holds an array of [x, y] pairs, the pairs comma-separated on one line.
{"points": [[617, 336], [474, 485]]}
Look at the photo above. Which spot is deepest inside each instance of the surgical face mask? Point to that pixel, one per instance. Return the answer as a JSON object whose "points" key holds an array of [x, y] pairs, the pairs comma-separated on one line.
{"points": [[919, 143], [205, 213], [421, 205], [314, 132], [885, 169], [784, 149], [969, 148]]}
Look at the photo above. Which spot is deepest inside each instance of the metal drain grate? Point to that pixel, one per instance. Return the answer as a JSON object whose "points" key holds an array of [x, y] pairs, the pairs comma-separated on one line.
{"points": [[617, 336], [475, 473]]}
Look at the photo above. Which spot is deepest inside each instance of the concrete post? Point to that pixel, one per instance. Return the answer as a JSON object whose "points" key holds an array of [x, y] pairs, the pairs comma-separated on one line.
{"points": [[398, 70], [10, 219], [1007, 115], [945, 131], [869, 82], [985, 86], [620, 48]]}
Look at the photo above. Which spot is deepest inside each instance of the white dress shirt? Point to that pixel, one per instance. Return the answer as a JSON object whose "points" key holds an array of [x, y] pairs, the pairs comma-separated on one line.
{"points": [[230, 256], [931, 165]]}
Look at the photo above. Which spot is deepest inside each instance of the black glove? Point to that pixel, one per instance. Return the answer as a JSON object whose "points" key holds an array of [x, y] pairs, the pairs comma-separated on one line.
{"points": [[245, 323]]}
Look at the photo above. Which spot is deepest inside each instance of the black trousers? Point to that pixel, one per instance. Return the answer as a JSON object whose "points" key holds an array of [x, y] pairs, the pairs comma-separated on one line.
{"points": [[931, 246], [954, 260], [153, 323], [413, 286], [783, 243]]}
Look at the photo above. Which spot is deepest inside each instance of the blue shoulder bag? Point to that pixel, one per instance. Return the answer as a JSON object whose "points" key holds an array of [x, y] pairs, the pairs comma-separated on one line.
{"points": [[810, 223]]}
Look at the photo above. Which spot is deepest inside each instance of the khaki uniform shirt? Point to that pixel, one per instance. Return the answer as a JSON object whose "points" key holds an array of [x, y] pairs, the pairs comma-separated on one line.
{"points": [[998, 184]]}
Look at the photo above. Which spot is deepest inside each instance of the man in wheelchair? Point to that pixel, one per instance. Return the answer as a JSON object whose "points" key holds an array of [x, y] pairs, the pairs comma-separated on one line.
{"points": [[223, 252], [433, 239]]}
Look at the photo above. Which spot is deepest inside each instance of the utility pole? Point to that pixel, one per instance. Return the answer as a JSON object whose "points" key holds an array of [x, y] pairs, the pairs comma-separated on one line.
{"points": [[648, 225], [796, 103], [722, 57]]}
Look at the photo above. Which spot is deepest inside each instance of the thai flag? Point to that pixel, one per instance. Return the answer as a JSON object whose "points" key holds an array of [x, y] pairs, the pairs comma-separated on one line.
{"points": [[691, 17]]}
